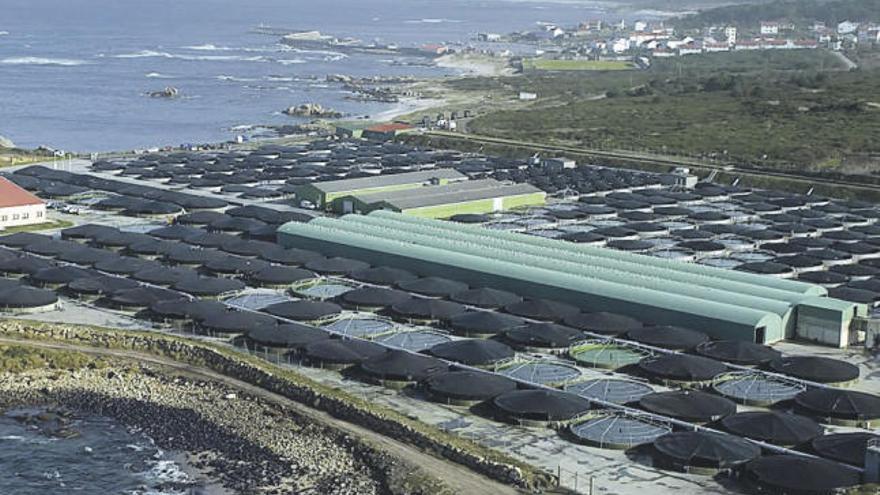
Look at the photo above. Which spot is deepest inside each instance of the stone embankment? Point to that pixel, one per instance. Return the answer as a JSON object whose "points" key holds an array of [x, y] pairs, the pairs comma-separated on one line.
{"points": [[294, 387], [247, 444]]}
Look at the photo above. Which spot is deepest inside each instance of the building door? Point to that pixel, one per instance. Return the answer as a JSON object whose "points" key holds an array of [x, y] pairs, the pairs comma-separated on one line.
{"points": [[347, 207], [760, 335]]}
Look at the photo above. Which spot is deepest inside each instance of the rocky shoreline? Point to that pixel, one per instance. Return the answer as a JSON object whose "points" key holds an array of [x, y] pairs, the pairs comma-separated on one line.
{"points": [[248, 445]]}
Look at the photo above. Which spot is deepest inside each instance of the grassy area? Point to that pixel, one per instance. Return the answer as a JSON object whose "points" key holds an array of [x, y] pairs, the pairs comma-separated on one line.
{"points": [[543, 64], [13, 159], [789, 110], [19, 358], [51, 225]]}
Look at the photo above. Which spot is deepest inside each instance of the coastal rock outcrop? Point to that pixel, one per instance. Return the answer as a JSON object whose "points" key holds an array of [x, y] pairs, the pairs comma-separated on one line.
{"points": [[168, 92], [312, 110]]}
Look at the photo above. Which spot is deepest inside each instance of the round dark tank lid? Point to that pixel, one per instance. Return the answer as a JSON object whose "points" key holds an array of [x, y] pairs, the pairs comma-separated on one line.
{"points": [[630, 245], [541, 309], [548, 335], [738, 352], [764, 268], [706, 449], [799, 261], [688, 405], [823, 277], [434, 309], [682, 367], [778, 428], [303, 310], [469, 218], [290, 335], [473, 352], [484, 322], [582, 237], [840, 404], [402, 366], [469, 385], [816, 369], [693, 234], [485, 297], [433, 286], [336, 266], [383, 275], [343, 351], [791, 473], [844, 447], [858, 296], [541, 405], [668, 337], [602, 322]]}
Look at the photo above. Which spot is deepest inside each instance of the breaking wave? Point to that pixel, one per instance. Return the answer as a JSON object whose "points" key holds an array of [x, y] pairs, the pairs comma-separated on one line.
{"points": [[431, 21], [67, 62], [220, 58], [157, 75]]}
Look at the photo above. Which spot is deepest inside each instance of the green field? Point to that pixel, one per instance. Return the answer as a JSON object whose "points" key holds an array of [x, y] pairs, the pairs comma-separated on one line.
{"points": [[543, 64]]}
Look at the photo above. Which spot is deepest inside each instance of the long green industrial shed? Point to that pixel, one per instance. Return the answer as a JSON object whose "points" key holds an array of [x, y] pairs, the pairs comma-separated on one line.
{"points": [[483, 267], [636, 263]]}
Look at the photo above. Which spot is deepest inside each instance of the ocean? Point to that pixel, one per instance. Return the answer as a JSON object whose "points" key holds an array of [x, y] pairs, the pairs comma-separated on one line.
{"points": [[74, 74], [103, 457]]}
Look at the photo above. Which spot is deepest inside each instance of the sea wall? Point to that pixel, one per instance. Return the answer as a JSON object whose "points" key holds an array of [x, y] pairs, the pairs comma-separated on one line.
{"points": [[295, 387]]}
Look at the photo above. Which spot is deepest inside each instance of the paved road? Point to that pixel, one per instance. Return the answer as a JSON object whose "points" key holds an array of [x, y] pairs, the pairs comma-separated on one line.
{"points": [[459, 478]]}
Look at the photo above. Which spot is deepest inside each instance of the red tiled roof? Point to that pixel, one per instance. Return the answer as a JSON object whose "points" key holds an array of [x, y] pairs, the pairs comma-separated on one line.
{"points": [[394, 126], [12, 195]]}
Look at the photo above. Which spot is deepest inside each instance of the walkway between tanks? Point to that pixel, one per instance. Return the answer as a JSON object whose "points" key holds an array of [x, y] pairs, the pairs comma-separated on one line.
{"points": [[458, 478]]}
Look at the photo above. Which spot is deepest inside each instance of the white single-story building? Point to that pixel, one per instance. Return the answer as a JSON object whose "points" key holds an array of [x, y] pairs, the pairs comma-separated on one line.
{"points": [[19, 207]]}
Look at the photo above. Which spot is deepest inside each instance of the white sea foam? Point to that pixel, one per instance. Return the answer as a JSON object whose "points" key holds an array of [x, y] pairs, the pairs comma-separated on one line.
{"points": [[67, 62], [157, 75], [179, 56], [224, 77], [12, 437], [4, 33], [431, 21], [291, 61]]}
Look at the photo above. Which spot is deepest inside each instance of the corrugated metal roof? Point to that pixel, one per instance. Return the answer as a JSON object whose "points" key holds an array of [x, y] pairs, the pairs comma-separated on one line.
{"points": [[458, 192], [638, 263], [360, 183], [703, 311]]}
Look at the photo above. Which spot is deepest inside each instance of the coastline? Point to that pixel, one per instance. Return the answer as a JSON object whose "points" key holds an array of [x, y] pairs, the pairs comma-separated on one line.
{"points": [[220, 438]]}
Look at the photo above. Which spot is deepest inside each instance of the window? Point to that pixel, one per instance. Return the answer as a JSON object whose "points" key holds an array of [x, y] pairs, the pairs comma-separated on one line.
{"points": [[39, 214], [15, 216], [4, 218], [25, 216]]}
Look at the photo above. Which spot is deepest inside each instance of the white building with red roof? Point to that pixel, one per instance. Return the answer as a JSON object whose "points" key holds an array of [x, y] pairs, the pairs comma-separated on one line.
{"points": [[19, 207]]}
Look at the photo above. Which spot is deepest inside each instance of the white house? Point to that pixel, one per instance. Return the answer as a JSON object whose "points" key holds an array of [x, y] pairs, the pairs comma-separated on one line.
{"points": [[847, 27], [730, 35], [526, 96], [640, 26], [19, 207], [620, 45], [769, 28]]}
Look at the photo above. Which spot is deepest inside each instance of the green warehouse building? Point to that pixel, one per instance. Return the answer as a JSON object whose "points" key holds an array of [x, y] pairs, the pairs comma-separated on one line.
{"points": [[323, 194], [725, 304], [475, 196]]}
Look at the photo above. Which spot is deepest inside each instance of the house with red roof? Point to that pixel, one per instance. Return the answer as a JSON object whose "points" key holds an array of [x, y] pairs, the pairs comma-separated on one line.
{"points": [[19, 207], [385, 132]]}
